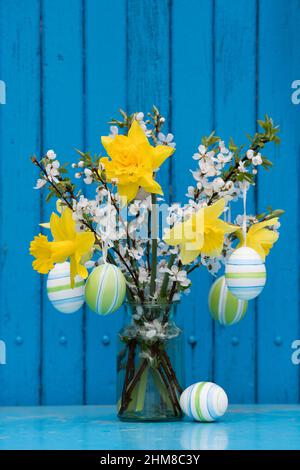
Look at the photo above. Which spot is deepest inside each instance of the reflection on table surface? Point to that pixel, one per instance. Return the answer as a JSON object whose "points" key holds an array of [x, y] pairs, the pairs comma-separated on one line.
{"points": [[96, 427]]}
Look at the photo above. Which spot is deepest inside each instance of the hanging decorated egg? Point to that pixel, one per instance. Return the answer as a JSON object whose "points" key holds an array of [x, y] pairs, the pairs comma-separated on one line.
{"points": [[225, 307], [245, 273], [105, 289], [204, 401], [61, 295]]}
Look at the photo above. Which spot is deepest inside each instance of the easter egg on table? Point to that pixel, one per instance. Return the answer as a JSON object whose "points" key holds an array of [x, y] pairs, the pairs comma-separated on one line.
{"points": [[245, 273], [204, 401], [225, 307], [105, 289], [61, 295]]}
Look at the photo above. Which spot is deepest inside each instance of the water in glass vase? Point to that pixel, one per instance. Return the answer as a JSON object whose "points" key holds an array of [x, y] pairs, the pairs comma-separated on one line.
{"points": [[150, 364]]}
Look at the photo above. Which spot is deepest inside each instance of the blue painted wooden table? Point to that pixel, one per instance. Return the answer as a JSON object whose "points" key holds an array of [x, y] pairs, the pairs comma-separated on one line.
{"points": [[96, 427]]}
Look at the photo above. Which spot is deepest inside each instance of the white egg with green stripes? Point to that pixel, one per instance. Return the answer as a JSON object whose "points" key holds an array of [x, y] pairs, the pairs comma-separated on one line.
{"points": [[105, 289], [61, 295], [223, 306], [204, 401], [245, 273]]}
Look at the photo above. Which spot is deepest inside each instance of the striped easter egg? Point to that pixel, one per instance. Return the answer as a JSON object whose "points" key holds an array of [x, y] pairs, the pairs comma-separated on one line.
{"points": [[60, 294], [204, 401], [225, 307], [105, 289], [245, 273]]}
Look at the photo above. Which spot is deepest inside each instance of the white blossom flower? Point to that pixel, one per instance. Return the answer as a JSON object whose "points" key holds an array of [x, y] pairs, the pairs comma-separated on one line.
{"points": [[52, 170], [51, 154], [250, 154], [40, 183], [178, 275], [218, 184], [88, 176], [139, 116], [137, 252], [224, 158], [114, 130], [134, 208], [242, 168], [257, 160], [191, 192], [143, 275], [166, 139], [202, 149]]}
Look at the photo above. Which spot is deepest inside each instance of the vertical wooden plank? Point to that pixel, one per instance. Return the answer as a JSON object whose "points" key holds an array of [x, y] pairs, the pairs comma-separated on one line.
{"points": [[105, 94], [192, 117], [148, 79], [278, 317], [235, 95], [19, 205], [63, 131]]}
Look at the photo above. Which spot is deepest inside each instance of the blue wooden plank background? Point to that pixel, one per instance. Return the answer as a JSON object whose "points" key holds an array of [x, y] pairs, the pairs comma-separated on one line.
{"points": [[67, 65]]}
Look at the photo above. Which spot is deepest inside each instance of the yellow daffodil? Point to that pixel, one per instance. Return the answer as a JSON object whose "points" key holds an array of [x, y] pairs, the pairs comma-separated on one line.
{"points": [[133, 161], [259, 237], [202, 233], [67, 243]]}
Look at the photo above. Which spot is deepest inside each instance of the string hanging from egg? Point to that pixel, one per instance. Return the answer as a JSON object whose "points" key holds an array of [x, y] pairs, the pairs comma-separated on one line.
{"points": [[245, 271]]}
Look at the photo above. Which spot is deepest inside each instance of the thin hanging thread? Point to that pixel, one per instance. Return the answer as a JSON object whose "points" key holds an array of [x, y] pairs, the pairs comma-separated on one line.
{"points": [[245, 213], [105, 244]]}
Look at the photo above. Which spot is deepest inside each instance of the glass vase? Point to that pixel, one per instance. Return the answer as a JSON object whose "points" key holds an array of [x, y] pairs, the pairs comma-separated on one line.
{"points": [[150, 364]]}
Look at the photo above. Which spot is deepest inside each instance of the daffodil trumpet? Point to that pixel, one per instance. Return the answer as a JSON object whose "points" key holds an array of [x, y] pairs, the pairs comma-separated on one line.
{"points": [[68, 243]]}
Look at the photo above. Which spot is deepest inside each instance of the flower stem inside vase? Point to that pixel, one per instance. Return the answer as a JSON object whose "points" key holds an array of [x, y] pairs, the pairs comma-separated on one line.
{"points": [[150, 366]]}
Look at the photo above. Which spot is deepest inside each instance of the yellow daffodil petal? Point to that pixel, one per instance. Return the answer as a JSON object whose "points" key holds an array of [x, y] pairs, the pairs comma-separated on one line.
{"points": [[259, 237], [150, 185], [84, 241], [215, 210], [213, 243], [224, 226], [107, 142], [73, 270], [161, 153], [64, 227], [181, 232], [187, 255], [82, 271], [45, 225], [57, 229], [260, 225], [137, 135], [128, 192], [68, 223]]}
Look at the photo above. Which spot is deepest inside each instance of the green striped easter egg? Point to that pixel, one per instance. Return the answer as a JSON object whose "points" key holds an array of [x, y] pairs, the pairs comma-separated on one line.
{"points": [[225, 307], [245, 273], [204, 401], [105, 289]]}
